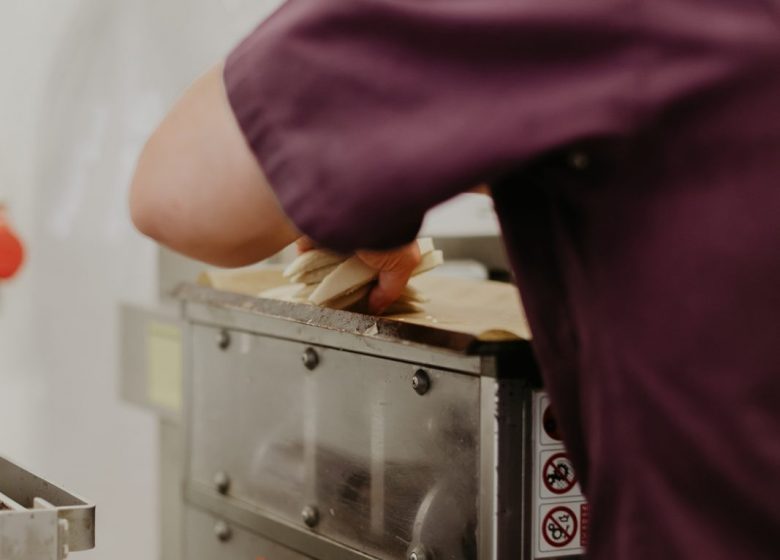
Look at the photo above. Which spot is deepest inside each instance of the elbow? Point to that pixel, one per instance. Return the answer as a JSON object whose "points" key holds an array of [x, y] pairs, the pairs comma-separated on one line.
{"points": [[160, 210], [144, 210], [149, 202]]}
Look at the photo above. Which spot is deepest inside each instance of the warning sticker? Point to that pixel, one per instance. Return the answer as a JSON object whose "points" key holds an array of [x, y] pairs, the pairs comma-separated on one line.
{"points": [[560, 513], [559, 526], [547, 425], [559, 530], [558, 474]]}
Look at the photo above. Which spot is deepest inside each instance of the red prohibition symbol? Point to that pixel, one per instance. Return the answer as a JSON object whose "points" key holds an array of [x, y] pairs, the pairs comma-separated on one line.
{"points": [[558, 474], [559, 526]]}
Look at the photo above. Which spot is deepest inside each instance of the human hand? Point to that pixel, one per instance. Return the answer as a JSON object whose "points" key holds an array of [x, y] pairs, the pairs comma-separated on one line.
{"points": [[394, 268]]}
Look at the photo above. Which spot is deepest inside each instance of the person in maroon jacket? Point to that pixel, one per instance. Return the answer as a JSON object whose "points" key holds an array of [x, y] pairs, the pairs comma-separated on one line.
{"points": [[633, 150]]}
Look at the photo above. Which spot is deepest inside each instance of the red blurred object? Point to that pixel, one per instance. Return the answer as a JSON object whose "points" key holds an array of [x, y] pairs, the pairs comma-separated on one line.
{"points": [[11, 249]]}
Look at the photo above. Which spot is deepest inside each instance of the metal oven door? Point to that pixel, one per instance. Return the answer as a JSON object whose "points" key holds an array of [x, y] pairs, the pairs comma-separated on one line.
{"points": [[347, 455]]}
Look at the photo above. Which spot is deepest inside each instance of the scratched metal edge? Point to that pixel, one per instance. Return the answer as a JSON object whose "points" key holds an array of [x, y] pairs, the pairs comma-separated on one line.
{"points": [[303, 540], [79, 512], [349, 322]]}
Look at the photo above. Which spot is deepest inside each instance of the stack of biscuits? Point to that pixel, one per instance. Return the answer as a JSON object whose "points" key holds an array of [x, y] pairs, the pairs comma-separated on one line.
{"points": [[338, 281]]}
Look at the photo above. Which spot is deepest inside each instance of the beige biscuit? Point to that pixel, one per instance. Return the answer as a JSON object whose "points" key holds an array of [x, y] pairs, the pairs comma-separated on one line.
{"points": [[425, 244], [287, 292], [305, 291], [347, 277], [429, 262], [413, 295], [312, 260], [349, 299], [313, 276]]}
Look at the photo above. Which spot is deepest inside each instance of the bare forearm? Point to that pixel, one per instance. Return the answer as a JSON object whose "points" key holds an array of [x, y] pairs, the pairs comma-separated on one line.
{"points": [[198, 188]]}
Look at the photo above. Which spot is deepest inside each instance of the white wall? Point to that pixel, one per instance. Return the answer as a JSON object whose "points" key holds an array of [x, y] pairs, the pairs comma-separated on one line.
{"points": [[81, 84]]}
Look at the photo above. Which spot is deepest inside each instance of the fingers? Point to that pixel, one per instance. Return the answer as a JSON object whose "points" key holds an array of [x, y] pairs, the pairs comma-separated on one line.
{"points": [[304, 244], [395, 268], [390, 285], [484, 188]]}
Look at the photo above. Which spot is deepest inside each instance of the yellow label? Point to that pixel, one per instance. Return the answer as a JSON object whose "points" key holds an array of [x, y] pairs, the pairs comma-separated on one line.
{"points": [[164, 364]]}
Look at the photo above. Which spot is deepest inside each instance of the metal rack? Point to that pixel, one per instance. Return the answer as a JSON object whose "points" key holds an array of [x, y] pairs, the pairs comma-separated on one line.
{"points": [[38, 519]]}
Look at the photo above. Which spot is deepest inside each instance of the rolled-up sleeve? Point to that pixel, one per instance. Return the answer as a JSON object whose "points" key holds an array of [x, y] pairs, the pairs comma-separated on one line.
{"points": [[366, 113]]}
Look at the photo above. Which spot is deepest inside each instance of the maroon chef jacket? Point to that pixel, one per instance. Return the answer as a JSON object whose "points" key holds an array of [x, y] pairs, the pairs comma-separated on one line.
{"points": [[634, 150]]}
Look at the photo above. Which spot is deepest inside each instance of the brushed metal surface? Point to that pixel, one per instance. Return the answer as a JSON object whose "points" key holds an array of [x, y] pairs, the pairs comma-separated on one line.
{"points": [[202, 540], [351, 437], [215, 306]]}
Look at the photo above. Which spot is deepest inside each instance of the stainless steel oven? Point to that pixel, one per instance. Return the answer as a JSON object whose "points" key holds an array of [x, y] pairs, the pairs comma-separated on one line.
{"points": [[333, 435]]}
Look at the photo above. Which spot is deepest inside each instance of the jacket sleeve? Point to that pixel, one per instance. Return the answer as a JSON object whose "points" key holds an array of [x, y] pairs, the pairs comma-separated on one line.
{"points": [[366, 113]]}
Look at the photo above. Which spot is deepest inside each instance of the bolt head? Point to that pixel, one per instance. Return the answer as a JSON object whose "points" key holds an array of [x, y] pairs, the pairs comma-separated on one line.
{"points": [[421, 382], [310, 358], [418, 553], [311, 516], [223, 340], [222, 531], [222, 482]]}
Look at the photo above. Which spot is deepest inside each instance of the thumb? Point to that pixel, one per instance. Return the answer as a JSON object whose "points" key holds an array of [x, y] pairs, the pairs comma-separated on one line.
{"points": [[304, 244]]}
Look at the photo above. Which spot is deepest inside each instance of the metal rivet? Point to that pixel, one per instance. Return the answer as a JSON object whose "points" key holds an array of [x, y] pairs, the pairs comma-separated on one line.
{"points": [[310, 358], [222, 482], [311, 516], [418, 553], [421, 382], [222, 531], [223, 339], [579, 160]]}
